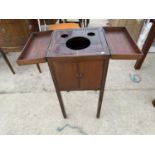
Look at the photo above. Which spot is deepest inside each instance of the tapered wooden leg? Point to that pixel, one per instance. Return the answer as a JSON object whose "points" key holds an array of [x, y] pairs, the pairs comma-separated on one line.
{"points": [[146, 46], [7, 61], [61, 103], [104, 75], [99, 103], [38, 66], [57, 89]]}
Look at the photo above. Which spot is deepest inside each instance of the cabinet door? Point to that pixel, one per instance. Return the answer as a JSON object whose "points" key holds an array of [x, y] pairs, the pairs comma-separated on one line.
{"points": [[91, 74], [66, 75]]}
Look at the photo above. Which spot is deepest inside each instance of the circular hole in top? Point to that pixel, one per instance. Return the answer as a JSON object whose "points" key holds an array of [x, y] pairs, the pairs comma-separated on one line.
{"points": [[64, 35], [78, 43], [91, 34]]}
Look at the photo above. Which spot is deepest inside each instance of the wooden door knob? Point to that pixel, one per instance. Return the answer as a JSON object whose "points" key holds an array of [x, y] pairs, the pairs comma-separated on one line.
{"points": [[80, 75]]}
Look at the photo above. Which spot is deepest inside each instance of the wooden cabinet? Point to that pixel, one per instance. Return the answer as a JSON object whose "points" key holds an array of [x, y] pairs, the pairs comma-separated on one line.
{"points": [[78, 58], [79, 75]]}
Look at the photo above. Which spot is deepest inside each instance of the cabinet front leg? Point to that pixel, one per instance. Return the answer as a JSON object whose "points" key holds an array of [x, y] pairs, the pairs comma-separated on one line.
{"points": [[52, 70], [104, 75], [61, 103], [99, 103]]}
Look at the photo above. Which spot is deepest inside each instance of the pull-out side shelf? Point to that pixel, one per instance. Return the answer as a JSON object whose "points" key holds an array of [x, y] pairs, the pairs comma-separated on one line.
{"points": [[121, 44], [35, 49]]}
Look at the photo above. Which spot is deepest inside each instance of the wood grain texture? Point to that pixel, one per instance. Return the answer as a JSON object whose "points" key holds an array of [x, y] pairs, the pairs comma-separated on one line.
{"points": [[82, 69], [121, 44], [91, 72], [58, 47], [118, 39], [66, 75], [15, 32], [134, 26], [35, 48]]}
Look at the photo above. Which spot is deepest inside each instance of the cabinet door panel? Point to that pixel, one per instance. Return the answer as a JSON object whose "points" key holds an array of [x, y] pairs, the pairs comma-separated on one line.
{"points": [[91, 73], [66, 75]]}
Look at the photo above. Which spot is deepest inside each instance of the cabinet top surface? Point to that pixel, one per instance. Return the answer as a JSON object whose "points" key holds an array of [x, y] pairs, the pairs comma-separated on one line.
{"points": [[78, 42]]}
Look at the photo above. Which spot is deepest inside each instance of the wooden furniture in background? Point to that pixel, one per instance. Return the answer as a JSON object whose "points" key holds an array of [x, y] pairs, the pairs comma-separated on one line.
{"points": [[145, 49], [14, 34], [147, 44], [78, 58], [7, 61]]}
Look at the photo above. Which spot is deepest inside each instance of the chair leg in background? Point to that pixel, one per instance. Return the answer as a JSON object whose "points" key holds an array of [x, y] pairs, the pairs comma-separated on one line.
{"points": [[7, 61], [38, 66]]}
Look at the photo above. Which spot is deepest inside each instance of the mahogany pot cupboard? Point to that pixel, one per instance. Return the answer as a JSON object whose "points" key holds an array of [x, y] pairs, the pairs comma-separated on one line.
{"points": [[78, 58]]}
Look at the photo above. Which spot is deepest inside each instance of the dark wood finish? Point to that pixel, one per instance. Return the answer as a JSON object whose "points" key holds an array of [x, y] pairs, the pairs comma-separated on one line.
{"points": [[121, 47], [79, 69], [14, 34], [35, 49], [39, 69], [7, 61], [104, 75], [90, 74], [48, 21], [121, 44], [66, 74], [146, 46], [78, 74], [53, 74], [58, 49]]}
